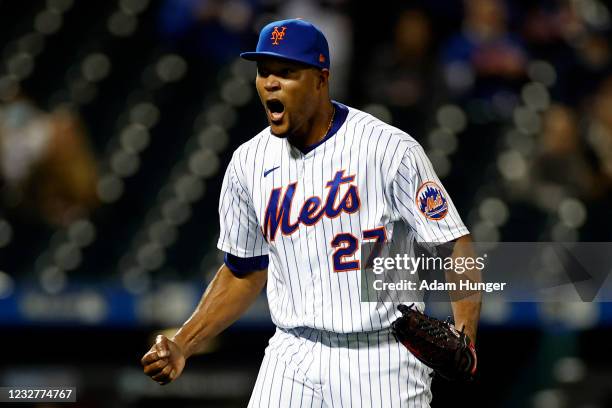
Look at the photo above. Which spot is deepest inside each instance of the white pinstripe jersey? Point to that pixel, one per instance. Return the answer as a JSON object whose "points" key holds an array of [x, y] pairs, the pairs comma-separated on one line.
{"points": [[310, 212]]}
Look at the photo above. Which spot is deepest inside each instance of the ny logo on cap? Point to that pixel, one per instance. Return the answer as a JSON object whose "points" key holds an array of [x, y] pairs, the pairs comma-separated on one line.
{"points": [[278, 35]]}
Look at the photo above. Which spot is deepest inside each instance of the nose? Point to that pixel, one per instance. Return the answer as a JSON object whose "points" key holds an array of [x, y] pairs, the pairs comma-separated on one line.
{"points": [[271, 83]]}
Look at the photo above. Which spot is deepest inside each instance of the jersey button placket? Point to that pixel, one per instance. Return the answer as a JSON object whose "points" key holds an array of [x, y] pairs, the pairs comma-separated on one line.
{"points": [[308, 186], [301, 166]]}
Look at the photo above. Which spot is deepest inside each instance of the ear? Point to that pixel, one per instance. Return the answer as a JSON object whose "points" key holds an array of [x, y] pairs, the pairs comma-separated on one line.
{"points": [[323, 79]]}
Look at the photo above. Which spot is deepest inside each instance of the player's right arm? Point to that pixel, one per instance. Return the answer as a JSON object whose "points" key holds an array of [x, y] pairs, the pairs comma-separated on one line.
{"points": [[227, 297], [234, 288]]}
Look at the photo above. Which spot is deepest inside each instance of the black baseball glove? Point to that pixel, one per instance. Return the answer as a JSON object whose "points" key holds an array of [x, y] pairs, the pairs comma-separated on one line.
{"points": [[436, 343]]}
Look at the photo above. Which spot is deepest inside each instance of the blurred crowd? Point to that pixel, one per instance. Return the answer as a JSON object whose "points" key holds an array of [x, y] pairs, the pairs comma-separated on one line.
{"points": [[512, 101], [48, 171]]}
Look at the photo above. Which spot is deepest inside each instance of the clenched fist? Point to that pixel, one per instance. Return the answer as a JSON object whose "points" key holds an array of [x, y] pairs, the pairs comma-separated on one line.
{"points": [[164, 362]]}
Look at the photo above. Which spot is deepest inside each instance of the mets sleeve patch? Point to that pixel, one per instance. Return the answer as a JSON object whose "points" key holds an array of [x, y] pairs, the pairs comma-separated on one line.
{"points": [[431, 202]]}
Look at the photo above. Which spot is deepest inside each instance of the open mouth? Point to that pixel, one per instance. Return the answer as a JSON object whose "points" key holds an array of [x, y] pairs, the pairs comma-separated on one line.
{"points": [[276, 109]]}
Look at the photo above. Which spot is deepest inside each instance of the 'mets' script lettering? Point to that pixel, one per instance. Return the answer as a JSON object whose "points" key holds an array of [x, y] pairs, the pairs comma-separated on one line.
{"points": [[278, 211]]}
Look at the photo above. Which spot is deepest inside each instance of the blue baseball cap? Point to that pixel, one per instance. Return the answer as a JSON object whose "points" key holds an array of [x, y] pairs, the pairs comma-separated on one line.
{"points": [[293, 40]]}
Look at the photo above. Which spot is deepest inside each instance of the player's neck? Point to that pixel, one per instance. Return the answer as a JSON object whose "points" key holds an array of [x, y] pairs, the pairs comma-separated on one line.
{"points": [[315, 129]]}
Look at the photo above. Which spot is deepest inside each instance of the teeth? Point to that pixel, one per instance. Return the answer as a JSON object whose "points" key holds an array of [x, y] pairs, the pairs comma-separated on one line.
{"points": [[276, 116]]}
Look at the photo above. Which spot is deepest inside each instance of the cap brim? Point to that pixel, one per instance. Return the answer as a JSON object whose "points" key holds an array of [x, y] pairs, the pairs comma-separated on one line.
{"points": [[256, 56]]}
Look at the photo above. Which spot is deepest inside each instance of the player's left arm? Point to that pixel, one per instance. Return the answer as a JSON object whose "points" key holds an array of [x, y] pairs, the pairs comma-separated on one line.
{"points": [[415, 183], [466, 306]]}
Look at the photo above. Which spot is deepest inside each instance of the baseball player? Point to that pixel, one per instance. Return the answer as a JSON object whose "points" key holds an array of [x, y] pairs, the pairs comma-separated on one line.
{"points": [[297, 202]]}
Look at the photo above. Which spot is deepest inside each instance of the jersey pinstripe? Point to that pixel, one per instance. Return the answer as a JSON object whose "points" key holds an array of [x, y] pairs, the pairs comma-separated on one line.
{"points": [[306, 367], [310, 212]]}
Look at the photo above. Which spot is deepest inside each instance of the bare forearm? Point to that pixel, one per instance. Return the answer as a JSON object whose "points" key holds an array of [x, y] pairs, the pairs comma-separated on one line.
{"points": [[466, 305], [466, 313], [225, 300]]}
